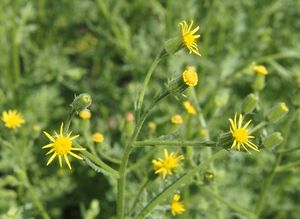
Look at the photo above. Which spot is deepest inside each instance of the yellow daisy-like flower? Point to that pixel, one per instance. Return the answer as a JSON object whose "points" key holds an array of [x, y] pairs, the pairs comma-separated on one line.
{"points": [[12, 119], [176, 206], [260, 69], [85, 114], [190, 77], [241, 135], [165, 166], [189, 38], [177, 119], [189, 107], [61, 145], [98, 137]]}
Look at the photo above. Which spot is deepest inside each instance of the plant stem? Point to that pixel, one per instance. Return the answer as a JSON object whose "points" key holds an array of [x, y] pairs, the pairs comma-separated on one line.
{"points": [[15, 45], [174, 143], [286, 151], [268, 180], [185, 179], [234, 207], [69, 119], [100, 163], [258, 126], [144, 184], [287, 166]]}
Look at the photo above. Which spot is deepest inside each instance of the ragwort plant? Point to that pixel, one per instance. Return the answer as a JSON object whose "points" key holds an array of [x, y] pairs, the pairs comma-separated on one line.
{"points": [[193, 170]]}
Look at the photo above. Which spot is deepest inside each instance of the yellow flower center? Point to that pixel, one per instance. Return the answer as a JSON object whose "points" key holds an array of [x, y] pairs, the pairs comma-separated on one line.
{"points": [[62, 145], [188, 38], [241, 135], [190, 77], [170, 163]]}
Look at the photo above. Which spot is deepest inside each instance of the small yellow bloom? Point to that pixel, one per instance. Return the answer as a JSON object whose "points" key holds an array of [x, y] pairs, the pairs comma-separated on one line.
{"points": [[177, 119], [98, 137], [165, 166], [12, 119], [152, 126], [61, 145], [85, 114], [189, 107], [202, 132], [189, 38], [260, 69], [241, 135], [176, 206], [190, 77], [284, 107]]}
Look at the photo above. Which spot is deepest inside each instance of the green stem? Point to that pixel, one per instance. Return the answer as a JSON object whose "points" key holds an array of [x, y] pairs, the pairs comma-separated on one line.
{"points": [[257, 127], [287, 166], [174, 143], [234, 207], [15, 45], [144, 184], [146, 81], [185, 179], [33, 197], [100, 163], [288, 150], [69, 119], [268, 180]]}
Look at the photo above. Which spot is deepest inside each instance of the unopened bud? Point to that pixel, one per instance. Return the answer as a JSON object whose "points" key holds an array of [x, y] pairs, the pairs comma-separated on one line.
{"points": [[81, 102], [249, 103], [259, 82], [273, 140], [277, 112], [208, 177]]}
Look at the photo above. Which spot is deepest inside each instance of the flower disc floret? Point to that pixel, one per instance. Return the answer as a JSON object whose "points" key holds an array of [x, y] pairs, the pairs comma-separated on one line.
{"points": [[61, 145], [190, 77]]}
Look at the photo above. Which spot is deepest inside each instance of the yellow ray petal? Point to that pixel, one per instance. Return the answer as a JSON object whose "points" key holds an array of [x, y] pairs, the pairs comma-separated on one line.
{"points": [[61, 128], [76, 136], [49, 136], [78, 149], [48, 146], [51, 158], [60, 161], [49, 152], [75, 155], [67, 161]]}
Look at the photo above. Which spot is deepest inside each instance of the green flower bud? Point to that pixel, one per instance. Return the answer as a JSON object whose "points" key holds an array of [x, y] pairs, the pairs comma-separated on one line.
{"points": [[259, 82], [225, 140], [173, 45], [249, 103], [208, 177], [273, 140], [278, 112], [81, 102]]}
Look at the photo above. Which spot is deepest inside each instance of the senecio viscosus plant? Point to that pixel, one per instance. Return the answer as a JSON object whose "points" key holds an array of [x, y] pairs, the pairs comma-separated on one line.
{"points": [[241, 135]]}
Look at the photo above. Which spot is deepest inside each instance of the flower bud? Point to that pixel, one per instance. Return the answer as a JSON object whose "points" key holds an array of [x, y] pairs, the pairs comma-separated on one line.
{"points": [[85, 114], [98, 137], [225, 140], [273, 140], [173, 45], [277, 112], [259, 83], [249, 103], [81, 102], [208, 177]]}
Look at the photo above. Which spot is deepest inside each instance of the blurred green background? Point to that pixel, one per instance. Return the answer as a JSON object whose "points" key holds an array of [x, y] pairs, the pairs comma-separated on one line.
{"points": [[52, 50]]}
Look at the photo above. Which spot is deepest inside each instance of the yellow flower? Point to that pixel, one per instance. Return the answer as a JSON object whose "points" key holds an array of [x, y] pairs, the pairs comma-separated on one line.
{"points": [[98, 137], [189, 38], [176, 119], [165, 166], [260, 69], [284, 107], [12, 119], [240, 134], [176, 206], [85, 114], [152, 126], [61, 146], [189, 107], [202, 132], [190, 77]]}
